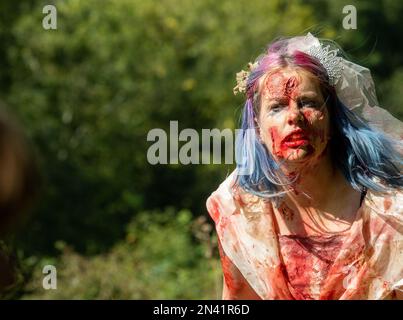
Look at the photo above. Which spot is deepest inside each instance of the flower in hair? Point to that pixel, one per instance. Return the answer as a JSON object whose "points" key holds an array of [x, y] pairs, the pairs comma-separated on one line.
{"points": [[242, 78]]}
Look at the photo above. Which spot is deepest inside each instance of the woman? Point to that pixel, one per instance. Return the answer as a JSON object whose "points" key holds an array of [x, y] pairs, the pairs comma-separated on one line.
{"points": [[314, 209]]}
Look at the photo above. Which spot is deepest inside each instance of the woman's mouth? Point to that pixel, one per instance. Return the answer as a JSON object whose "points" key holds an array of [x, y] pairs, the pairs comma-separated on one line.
{"points": [[295, 140]]}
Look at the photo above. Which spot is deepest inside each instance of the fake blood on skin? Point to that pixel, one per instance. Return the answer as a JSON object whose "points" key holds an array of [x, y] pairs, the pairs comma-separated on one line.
{"points": [[279, 85], [229, 271], [295, 140], [280, 145]]}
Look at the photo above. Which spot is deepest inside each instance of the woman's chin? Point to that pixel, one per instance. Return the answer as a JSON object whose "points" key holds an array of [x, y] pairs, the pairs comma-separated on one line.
{"points": [[298, 155]]}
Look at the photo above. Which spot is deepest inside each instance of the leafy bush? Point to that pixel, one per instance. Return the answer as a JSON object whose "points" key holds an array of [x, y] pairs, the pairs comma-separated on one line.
{"points": [[165, 255], [89, 92]]}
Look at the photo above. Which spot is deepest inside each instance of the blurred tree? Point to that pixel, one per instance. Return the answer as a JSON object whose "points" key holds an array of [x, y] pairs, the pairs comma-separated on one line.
{"points": [[374, 44], [90, 91]]}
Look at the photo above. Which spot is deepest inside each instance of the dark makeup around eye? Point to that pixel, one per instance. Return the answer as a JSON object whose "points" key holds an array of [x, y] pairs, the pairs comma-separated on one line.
{"points": [[305, 98]]}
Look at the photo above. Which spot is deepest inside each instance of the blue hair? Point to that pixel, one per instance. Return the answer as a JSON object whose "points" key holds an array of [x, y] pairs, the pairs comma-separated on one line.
{"points": [[368, 159]]}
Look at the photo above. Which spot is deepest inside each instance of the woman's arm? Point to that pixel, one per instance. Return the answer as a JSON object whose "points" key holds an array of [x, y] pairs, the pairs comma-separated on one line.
{"points": [[235, 286]]}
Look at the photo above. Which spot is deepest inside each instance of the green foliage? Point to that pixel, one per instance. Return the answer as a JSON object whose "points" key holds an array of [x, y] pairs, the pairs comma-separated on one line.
{"points": [[89, 92], [373, 44], [159, 259]]}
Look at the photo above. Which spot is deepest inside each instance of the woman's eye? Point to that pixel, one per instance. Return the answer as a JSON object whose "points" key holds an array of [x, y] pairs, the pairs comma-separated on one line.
{"points": [[308, 103], [276, 107]]}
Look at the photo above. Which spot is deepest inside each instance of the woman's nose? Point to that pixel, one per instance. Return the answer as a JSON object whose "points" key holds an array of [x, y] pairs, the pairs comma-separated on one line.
{"points": [[294, 114]]}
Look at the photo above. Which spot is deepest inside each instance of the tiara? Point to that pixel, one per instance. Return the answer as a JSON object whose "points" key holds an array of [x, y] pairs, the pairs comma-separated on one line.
{"points": [[330, 61], [328, 58]]}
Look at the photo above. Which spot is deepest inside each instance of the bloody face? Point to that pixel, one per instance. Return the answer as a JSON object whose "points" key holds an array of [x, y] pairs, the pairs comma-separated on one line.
{"points": [[293, 118]]}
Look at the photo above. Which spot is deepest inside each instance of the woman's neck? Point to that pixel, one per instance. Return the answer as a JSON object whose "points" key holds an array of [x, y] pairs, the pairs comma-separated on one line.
{"points": [[320, 186]]}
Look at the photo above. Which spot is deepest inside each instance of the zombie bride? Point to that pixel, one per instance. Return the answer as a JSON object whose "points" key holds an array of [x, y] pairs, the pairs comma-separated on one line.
{"points": [[314, 207]]}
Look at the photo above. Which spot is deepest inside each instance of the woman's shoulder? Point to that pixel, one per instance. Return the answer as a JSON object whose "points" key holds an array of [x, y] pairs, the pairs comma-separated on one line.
{"points": [[229, 198], [388, 203], [385, 210], [222, 200]]}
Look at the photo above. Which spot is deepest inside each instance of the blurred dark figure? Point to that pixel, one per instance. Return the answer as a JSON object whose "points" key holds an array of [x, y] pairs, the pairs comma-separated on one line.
{"points": [[19, 180]]}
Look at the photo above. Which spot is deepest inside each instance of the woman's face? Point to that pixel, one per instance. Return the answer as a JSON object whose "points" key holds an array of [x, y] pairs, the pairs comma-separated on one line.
{"points": [[293, 118]]}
